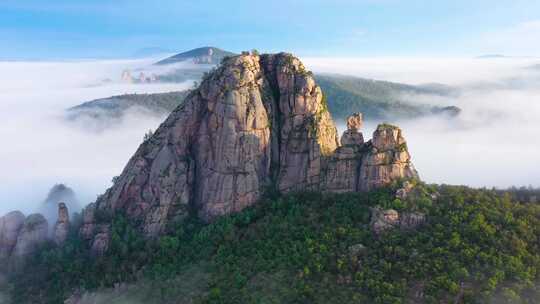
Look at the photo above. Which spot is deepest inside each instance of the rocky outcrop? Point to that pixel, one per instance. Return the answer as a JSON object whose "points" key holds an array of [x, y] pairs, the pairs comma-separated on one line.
{"points": [[353, 136], [403, 192], [10, 226], [254, 123], [61, 228], [88, 222], [358, 166], [33, 233], [387, 159], [382, 220], [58, 193], [411, 220], [303, 130], [342, 169], [21, 236]]}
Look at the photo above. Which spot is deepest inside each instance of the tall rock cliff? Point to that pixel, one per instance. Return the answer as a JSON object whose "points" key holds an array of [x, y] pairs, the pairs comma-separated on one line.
{"points": [[33, 233], [10, 226], [21, 236], [387, 159], [255, 122], [59, 193], [61, 228]]}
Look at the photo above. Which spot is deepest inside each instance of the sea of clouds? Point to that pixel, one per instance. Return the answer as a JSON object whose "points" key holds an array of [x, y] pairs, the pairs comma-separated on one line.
{"points": [[40, 148], [494, 142]]}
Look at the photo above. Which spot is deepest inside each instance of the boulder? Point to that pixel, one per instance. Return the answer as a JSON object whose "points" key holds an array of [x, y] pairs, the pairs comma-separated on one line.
{"points": [[403, 192], [356, 250], [383, 220], [353, 136], [411, 220], [355, 122], [10, 226]]}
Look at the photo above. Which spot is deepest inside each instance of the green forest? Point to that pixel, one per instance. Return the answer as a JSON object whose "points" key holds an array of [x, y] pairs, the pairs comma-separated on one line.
{"points": [[477, 246]]}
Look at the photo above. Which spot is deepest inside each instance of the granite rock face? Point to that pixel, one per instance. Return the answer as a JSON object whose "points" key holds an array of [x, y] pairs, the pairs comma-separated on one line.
{"points": [[10, 226], [403, 192], [34, 232], [303, 130], [353, 136], [61, 228], [342, 169], [387, 159], [255, 122]]}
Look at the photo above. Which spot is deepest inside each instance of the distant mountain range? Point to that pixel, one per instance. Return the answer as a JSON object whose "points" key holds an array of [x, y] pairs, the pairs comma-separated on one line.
{"points": [[105, 112], [495, 56], [491, 56], [203, 55], [377, 100], [381, 99]]}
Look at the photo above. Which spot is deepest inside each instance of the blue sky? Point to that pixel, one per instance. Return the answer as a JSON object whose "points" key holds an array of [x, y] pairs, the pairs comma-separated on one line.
{"points": [[39, 29]]}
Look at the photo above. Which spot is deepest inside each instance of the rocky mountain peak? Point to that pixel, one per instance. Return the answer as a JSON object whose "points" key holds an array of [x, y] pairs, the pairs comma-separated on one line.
{"points": [[58, 193], [34, 231], [256, 122], [10, 225], [61, 228]]}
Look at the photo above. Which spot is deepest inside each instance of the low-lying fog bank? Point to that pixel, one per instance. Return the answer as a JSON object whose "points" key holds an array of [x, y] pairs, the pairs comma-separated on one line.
{"points": [[40, 149]]}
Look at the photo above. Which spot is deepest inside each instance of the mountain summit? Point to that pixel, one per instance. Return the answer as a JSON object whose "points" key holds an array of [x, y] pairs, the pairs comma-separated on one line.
{"points": [[203, 55], [255, 123]]}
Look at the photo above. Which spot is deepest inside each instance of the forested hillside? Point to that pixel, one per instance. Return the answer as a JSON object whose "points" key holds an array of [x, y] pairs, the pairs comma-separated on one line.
{"points": [[476, 246], [382, 99]]}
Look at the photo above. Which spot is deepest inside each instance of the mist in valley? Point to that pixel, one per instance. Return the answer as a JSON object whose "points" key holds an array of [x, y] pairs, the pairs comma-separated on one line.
{"points": [[493, 142], [42, 149]]}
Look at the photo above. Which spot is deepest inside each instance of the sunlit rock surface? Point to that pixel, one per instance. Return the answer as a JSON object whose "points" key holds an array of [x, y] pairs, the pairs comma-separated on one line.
{"points": [[255, 123]]}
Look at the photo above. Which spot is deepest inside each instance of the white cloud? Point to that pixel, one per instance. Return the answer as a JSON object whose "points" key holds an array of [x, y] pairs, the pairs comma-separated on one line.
{"points": [[493, 143], [39, 149]]}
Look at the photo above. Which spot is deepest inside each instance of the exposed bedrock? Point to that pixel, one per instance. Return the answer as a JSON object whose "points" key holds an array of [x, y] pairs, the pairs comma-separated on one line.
{"points": [[256, 122]]}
